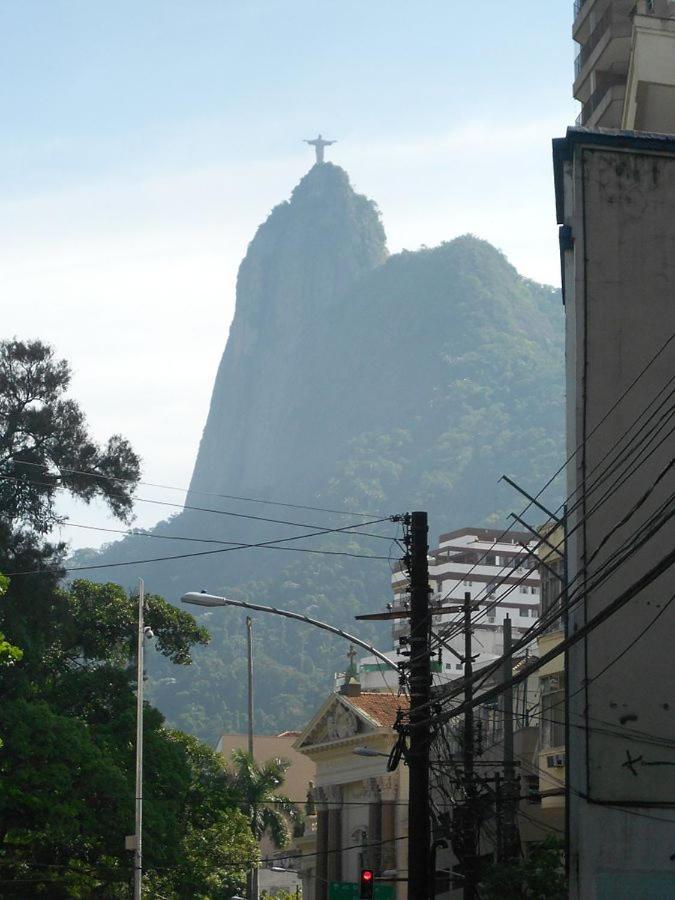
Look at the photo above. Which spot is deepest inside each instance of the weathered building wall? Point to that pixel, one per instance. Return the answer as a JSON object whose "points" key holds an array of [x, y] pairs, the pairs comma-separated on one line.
{"points": [[617, 195]]}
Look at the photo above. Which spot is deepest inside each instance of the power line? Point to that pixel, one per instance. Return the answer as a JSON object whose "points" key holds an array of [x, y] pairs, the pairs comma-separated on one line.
{"points": [[190, 490], [633, 543], [571, 456], [237, 545], [603, 475], [660, 568], [554, 611], [236, 515], [448, 634], [136, 562], [591, 488]]}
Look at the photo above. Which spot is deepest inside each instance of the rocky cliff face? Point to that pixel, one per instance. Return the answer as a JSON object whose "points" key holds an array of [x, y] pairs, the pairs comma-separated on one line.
{"points": [[355, 381], [298, 268]]}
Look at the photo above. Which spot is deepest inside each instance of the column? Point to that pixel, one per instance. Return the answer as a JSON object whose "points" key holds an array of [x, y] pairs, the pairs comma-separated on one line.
{"points": [[389, 796], [334, 833], [374, 853], [321, 880]]}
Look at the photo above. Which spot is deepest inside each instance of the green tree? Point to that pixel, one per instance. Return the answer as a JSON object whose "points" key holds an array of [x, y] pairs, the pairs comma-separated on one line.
{"points": [[257, 788], [8, 652], [45, 446], [217, 848], [68, 710], [538, 876], [67, 771]]}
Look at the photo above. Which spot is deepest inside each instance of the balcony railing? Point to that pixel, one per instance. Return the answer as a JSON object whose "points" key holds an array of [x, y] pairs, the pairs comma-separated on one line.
{"points": [[578, 5], [594, 39], [596, 99]]}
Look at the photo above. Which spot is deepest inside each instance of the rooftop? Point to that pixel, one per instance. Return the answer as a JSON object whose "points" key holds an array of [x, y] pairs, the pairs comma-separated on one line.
{"points": [[380, 707]]}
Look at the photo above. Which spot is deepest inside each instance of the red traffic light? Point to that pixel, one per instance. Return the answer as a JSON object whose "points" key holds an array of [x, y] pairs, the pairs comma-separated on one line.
{"points": [[367, 884]]}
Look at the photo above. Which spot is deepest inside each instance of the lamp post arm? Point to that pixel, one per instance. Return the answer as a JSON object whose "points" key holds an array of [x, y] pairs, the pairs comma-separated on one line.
{"points": [[198, 599]]}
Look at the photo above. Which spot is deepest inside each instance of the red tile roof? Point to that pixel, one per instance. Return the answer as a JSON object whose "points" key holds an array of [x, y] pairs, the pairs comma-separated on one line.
{"points": [[379, 706]]}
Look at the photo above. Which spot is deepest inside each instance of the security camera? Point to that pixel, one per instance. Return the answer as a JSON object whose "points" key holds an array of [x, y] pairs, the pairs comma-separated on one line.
{"points": [[148, 632]]}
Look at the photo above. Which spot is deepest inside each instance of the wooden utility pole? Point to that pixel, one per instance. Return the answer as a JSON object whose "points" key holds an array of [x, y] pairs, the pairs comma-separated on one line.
{"points": [[510, 829], [470, 811], [419, 833], [253, 874], [249, 646]]}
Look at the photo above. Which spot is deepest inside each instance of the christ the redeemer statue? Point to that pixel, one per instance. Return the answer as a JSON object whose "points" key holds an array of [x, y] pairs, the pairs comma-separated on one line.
{"points": [[319, 144]]}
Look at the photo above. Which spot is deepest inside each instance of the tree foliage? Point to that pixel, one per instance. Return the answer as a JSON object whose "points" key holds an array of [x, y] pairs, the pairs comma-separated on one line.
{"points": [[538, 876], [257, 786], [45, 446], [67, 701]]}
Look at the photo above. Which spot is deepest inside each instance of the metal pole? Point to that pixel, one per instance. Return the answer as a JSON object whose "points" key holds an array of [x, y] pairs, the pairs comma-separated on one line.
{"points": [[210, 600], [253, 874], [509, 812], [249, 644], [419, 849], [469, 842], [138, 843]]}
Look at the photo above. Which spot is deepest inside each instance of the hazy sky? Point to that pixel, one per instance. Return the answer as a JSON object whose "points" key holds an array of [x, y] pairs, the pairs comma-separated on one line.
{"points": [[141, 143]]}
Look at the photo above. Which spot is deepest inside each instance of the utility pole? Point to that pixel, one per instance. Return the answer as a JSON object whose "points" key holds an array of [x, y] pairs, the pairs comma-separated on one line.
{"points": [[469, 838], [253, 874], [419, 832], [510, 834], [140, 666], [249, 645]]}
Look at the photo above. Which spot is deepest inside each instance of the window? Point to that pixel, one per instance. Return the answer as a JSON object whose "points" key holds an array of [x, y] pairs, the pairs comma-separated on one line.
{"points": [[553, 712], [532, 785]]}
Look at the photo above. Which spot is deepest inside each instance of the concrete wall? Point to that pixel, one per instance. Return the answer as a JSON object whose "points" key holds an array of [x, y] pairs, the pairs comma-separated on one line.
{"points": [[617, 194], [650, 90]]}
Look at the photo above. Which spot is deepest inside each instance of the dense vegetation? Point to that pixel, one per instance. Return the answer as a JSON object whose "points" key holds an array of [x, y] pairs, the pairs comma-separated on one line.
{"points": [[352, 381], [67, 703]]}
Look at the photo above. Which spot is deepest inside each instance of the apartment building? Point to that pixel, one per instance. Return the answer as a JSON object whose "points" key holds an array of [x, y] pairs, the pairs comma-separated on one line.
{"points": [[624, 71], [499, 571]]}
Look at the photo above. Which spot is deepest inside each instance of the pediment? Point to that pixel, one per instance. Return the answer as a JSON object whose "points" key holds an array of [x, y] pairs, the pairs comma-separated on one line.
{"points": [[335, 722]]}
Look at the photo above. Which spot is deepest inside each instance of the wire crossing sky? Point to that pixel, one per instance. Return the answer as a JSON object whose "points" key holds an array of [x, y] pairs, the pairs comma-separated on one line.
{"points": [[143, 143]]}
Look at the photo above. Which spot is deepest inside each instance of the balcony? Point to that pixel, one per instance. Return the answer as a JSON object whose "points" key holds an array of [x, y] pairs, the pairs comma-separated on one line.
{"points": [[601, 28], [582, 18], [606, 50], [600, 101]]}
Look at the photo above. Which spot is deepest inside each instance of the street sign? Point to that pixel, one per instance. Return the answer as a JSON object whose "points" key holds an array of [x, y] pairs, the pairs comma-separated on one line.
{"points": [[347, 890]]}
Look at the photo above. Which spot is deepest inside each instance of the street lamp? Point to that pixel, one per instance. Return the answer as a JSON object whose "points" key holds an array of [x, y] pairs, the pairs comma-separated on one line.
{"points": [[210, 600]]}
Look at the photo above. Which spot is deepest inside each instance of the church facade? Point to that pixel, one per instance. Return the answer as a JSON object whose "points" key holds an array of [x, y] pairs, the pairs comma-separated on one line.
{"points": [[359, 809]]}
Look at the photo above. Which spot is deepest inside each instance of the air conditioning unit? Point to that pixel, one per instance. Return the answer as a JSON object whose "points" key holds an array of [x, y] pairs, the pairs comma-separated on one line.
{"points": [[556, 762]]}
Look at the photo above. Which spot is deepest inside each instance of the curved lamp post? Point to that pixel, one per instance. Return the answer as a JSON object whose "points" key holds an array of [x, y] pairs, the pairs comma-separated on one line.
{"points": [[199, 599]]}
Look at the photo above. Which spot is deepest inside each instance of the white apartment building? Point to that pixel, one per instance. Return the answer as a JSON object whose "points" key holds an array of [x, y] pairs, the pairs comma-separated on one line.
{"points": [[624, 72], [501, 576]]}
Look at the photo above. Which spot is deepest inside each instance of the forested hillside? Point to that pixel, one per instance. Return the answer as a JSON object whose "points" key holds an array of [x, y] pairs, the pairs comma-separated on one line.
{"points": [[353, 381]]}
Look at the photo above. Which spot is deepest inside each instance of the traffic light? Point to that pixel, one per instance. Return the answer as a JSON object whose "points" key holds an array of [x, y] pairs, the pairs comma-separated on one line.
{"points": [[367, 884]]}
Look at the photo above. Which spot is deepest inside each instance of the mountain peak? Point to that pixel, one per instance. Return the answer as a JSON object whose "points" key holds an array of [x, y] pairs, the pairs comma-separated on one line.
{"points": [[324, 176]]}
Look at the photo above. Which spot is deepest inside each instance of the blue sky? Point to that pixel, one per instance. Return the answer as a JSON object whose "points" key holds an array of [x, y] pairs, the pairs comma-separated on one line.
{"points": [[141, 143]]}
